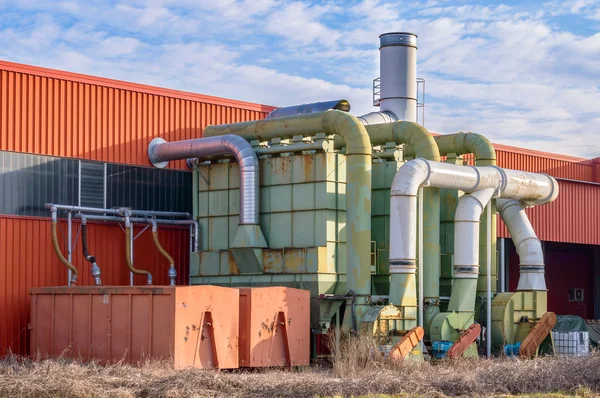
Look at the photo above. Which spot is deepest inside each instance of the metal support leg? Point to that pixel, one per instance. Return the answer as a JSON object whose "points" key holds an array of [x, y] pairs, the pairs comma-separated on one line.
{"points": [[69, 245]]}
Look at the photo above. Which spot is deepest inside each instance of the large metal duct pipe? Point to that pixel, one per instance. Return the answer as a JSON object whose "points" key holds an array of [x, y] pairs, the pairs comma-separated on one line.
{"points": [[340, 105], [529, 247], [466, 254], [485, 155], [358, 169], [529, 187], [398, 75], [378, 118], [249, 235]]}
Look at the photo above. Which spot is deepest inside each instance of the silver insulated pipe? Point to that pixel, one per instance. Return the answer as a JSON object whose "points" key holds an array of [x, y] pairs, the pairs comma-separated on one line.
{"points": [[161, 152], [398, 75]]}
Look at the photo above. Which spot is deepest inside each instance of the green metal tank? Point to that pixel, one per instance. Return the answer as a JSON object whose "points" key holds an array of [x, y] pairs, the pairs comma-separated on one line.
{"points": [[302, 216]]}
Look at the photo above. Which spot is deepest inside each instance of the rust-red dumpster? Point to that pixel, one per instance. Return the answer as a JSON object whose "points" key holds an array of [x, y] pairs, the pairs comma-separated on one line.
{"points": [[274, 327], [194, 326]]}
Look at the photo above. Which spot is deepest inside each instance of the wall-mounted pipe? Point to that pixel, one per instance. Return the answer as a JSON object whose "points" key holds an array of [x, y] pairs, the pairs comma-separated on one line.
{"points": [[529, 247], [172, 271], [61, 257], [358, 170], [119, 211], [191, 223], [89, 258], [128, 235]]}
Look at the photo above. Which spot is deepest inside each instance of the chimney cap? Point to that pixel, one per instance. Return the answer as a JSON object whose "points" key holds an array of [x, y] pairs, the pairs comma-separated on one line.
{"points": [[403, 39]]}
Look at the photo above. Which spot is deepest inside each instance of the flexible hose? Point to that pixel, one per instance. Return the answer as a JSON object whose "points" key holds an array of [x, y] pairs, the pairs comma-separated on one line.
{"points": [[60, 255], [91, 259], [128, 254], [86, 254], [161, 249]]}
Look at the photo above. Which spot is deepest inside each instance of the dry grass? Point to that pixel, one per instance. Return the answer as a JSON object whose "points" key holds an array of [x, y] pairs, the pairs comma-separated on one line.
{"points": [[356, 372]]}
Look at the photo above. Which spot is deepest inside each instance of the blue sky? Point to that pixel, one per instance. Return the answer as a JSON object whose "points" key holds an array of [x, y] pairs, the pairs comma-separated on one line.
{"points": [[521, 73]]}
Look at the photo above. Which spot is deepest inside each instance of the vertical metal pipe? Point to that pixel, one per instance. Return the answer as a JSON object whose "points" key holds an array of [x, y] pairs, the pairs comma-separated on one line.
{"points": [[420, 266], [131, 254], [69, 248], [502, 262], [489, 282]]}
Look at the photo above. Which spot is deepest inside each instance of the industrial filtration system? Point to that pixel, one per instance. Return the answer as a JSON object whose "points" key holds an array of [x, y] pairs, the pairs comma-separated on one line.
{"points": [[382, 222]]}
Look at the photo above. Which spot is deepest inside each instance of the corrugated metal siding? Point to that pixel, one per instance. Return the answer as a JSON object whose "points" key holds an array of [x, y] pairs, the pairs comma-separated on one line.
{"points": [[556, 167], [27, 260], [573, 217], [61, 114]]}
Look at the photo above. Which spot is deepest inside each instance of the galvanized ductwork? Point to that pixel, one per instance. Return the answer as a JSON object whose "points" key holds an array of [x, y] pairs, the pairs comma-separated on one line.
{"points": [[340, 105], [378, 118], [160, 152], [529, 247], [249, 237]]}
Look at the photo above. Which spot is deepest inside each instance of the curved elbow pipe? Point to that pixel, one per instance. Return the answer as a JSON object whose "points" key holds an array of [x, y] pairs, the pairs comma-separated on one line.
{"points": [[530, 188], [172, 271], [61, 257], [89, 258], [161, 152], [462, 144], [529, 247], [128, 252]]}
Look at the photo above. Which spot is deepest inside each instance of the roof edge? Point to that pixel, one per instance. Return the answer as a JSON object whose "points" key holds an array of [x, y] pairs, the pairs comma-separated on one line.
{"points": [[125, 85]]}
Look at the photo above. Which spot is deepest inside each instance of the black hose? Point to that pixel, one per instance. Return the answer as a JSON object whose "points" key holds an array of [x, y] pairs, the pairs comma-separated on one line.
{"points": [[86, 254]]}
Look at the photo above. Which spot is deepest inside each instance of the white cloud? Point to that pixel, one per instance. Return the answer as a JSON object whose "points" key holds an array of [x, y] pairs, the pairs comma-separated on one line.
{"points": [[300, 24]]}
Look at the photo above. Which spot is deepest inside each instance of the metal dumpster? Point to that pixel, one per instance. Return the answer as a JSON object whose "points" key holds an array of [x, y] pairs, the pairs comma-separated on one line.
{"points": [[274, 327], [194, 326]]}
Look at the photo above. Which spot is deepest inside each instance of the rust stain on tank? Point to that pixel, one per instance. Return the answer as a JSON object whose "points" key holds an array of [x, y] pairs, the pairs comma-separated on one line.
{"points": [[294, 260], [273, 260], [308, 168], [233, 267]]}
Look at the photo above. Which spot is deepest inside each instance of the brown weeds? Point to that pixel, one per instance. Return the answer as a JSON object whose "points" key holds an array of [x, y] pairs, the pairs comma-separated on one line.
{"points": [[357, 370]]}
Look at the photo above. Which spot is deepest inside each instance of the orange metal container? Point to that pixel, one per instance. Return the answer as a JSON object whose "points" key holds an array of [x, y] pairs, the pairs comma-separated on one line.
{"points": [[34, 264], [274, 327], [194, 326]]}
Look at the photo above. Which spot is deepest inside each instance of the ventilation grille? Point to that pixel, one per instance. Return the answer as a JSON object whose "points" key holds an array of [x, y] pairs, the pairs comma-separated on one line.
{"points": [[92, 187]]}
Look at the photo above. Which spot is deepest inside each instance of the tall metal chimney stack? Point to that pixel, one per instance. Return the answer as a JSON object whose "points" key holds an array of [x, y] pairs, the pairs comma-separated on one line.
{"points": [[398, 74]]}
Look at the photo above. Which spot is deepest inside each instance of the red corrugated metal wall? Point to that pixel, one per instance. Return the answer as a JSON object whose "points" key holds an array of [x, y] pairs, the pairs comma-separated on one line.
{"points": [[57, 113], [27, 260], [573, 217], [555, 165], [64, 114]]}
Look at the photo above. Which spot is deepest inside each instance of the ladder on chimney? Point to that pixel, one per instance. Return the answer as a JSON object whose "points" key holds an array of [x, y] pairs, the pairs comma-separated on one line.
{"points": [[420, 97]]}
